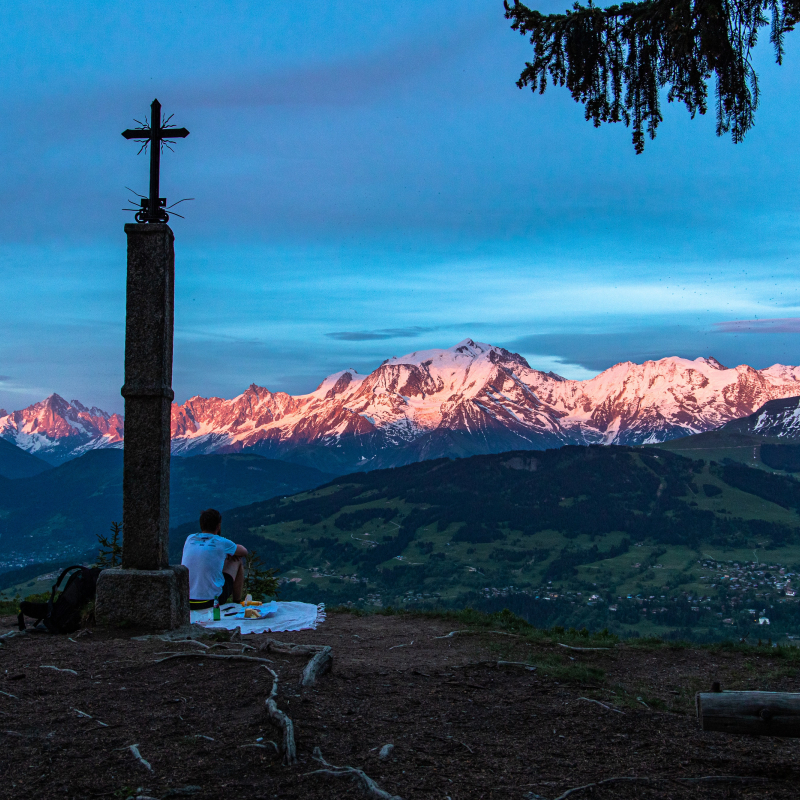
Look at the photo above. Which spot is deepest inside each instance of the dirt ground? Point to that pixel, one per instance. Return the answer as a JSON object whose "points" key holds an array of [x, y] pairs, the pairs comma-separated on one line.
{"points": [[460, 729]]}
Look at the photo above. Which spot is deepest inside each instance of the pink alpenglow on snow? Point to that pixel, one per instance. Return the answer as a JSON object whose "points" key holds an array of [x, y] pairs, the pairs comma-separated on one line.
{"points": [[56, 430], [468, 399]]}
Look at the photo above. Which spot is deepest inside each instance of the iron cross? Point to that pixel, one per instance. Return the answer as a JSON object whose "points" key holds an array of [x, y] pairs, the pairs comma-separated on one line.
{"points": [[154, 208]]}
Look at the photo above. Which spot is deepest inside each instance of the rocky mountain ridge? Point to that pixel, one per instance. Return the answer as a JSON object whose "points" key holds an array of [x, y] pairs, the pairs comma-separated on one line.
{"points": [[468, 399], [779, 418], [56, 430]]}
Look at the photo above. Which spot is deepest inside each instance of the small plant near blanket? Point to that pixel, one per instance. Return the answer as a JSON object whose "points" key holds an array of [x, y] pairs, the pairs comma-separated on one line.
{"points": [[110, 552], [259, 581], [8, 607]]}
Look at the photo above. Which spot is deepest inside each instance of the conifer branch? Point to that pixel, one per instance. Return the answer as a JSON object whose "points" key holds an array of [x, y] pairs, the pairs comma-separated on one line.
{"points": [[617, 60]]}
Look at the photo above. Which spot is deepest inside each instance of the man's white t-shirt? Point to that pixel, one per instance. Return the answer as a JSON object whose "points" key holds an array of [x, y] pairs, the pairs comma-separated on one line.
{"points": [[204, 556]]}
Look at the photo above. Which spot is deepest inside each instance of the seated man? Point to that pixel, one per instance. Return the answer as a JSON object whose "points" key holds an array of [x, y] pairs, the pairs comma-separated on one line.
{"points": [[216, 569]]}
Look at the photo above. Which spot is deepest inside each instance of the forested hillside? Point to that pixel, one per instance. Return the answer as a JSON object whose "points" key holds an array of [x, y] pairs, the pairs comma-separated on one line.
{"points": [[571, 534]]}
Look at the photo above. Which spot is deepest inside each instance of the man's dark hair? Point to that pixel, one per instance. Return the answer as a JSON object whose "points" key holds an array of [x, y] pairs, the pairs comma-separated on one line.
{"points": [[209, 519]]}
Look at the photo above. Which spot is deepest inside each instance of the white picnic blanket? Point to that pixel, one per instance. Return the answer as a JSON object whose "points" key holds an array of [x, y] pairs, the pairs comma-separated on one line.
{"points": [[275, 616]]}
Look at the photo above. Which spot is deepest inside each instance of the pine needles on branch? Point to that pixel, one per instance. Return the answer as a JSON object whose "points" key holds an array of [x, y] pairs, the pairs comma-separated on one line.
{"points": [[110, 553], [259, 582], [617, 60]]}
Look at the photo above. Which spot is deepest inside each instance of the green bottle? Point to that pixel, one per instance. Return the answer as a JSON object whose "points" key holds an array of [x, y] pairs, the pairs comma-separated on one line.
{"points": [[216, 610]]}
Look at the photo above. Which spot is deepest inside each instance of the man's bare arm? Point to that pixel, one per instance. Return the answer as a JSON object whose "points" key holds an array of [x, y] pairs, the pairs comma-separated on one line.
{"points": [[240, 551]]}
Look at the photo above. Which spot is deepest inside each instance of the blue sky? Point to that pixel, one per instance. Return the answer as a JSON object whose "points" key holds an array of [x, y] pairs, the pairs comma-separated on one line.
{"points": [[370, 181]]}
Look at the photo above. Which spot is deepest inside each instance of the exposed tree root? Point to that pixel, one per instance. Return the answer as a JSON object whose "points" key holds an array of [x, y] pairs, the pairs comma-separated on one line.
{"points": [[277, 716], [451, 634], [633, 779], [520, 664], [231, 657], [290, 648], [197, 643], [229, 645], [367, 785], [597, 702], [262, 746], [134, 748], [89, 716], [321, 657], [57, 669], [476, 632], [495, 665], [280, 720], [188, 632], [584, 649]]}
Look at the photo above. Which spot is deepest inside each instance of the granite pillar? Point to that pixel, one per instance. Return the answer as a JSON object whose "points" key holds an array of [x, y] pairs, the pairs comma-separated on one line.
{"points": [[148, 395], [145, 484]]}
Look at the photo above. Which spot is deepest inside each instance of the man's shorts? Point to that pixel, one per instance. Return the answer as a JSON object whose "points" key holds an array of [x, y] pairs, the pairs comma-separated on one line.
{"points": [[227, 592]]}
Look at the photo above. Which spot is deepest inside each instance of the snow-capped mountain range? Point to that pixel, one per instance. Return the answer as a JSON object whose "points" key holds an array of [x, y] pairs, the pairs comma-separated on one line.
{"points": [[471, 398], [57, 431]]}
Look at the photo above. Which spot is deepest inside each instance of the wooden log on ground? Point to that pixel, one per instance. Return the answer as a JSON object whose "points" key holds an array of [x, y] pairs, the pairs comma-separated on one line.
{"points": [[318, 665], [321, 657], [755, 713]]}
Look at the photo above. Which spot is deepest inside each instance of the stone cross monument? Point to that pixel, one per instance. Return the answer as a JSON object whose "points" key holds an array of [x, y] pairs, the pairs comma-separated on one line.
{"points": [[147, 592]]}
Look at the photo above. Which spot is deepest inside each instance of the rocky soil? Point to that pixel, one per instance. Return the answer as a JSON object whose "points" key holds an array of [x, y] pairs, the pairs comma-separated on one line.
{"points": [[461, 725]]}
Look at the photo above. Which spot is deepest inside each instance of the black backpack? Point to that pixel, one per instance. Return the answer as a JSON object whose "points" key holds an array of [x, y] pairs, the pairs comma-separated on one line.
{"points": [[63, 615]]}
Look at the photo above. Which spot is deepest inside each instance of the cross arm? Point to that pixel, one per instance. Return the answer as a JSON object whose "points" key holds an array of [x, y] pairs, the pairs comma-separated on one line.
{"points": [[163, 133], [137, 133]]}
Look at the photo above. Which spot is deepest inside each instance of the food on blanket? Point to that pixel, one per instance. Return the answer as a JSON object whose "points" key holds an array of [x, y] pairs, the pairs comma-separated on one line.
{"points": [[251, 603], [251, 613]]}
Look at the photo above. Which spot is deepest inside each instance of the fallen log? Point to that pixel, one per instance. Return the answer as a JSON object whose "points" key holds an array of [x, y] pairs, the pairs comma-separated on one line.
{"points": [[318, 665], [754, 713], [321, 660]]}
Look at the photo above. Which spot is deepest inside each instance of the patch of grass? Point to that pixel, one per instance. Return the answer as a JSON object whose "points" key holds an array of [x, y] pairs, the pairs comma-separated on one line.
{"points": [[560, 668], [40, 597], [9, 607], [646, 642], [678, 644], [789, 653]]}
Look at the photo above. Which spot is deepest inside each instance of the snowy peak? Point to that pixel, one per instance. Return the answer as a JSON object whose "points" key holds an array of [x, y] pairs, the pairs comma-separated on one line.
{"points": [[470, 398], [337, 383], [492, 396], [56, 430]]}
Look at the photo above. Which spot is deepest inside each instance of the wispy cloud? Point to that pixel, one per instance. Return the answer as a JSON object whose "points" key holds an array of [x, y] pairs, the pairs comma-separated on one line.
{"points": [[783, 325], [385, 333]]}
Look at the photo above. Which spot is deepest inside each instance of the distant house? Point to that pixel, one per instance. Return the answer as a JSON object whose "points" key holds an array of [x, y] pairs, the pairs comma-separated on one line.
{"points": [[763, 620]]}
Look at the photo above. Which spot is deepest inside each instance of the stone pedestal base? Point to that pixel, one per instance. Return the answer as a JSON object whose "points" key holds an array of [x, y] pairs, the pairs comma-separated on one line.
{"points": [[155, 599]]}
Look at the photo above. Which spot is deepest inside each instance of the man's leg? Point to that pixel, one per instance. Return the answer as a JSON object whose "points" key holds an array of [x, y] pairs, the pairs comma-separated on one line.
{"points": [[234, 566]]}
